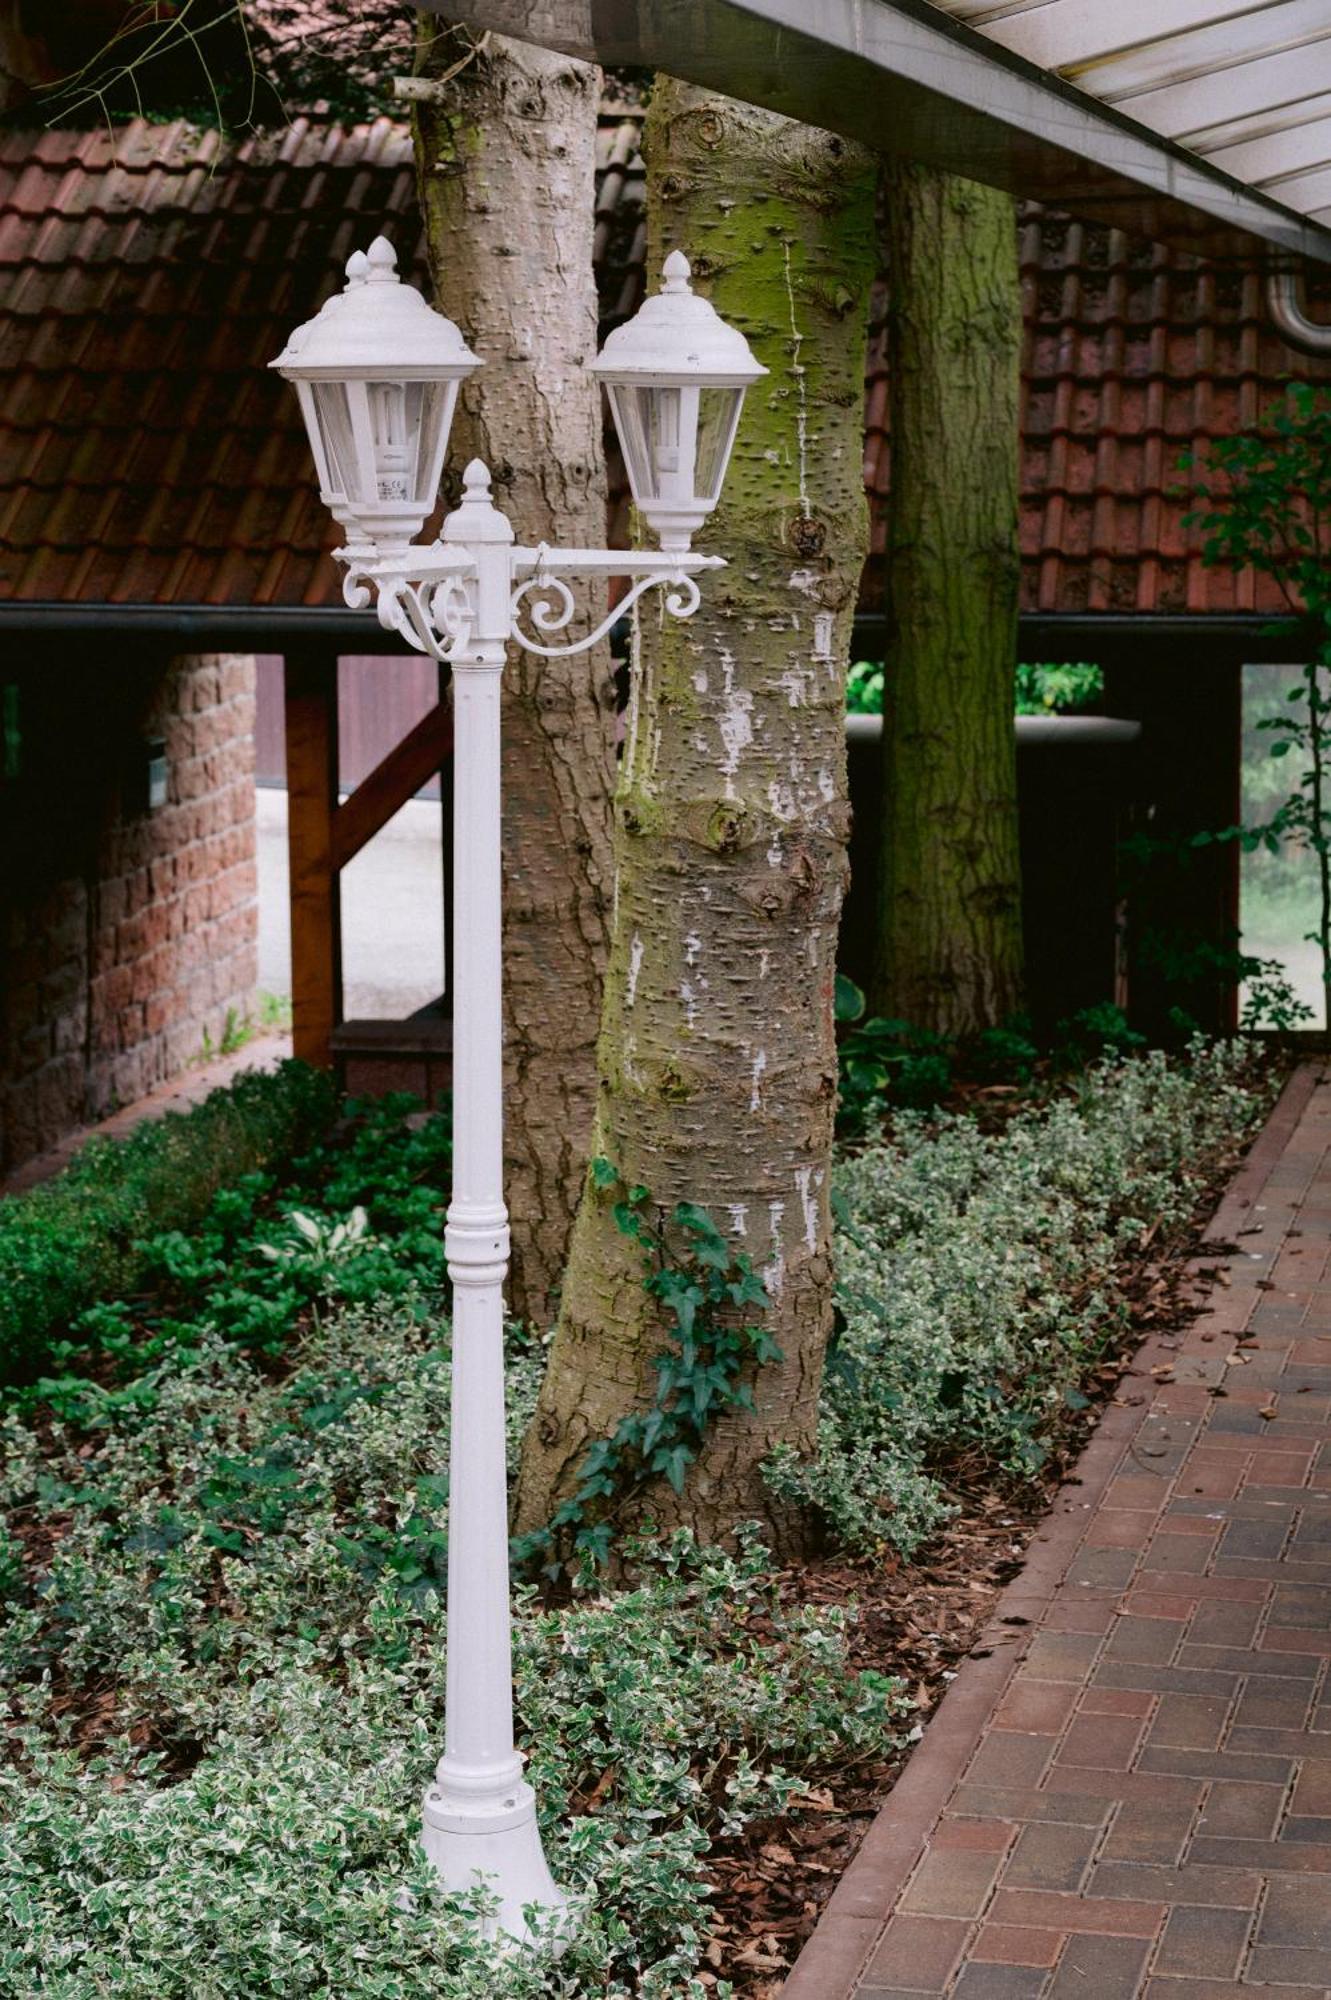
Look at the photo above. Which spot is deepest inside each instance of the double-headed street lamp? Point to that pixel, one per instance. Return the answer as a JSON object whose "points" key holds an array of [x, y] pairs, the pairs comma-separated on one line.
{"points": [[377, 372]]}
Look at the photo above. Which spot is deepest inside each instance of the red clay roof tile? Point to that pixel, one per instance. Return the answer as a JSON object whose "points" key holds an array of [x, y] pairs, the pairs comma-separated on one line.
{"points": [[147, 456]]}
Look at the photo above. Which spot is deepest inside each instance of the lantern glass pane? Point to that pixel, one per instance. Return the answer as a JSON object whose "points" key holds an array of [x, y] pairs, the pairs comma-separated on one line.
{"points": [[631, 409], [334, 416], [436, 413], [718, 416]]}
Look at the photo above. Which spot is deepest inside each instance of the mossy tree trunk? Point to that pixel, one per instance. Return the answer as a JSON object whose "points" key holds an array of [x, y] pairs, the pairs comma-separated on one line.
{"points": [[949, 951], [506, 166], [717, 1056]]}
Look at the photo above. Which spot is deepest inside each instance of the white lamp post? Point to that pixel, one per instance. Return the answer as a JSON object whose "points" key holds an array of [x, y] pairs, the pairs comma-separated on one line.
{"points": [[377, 372]]}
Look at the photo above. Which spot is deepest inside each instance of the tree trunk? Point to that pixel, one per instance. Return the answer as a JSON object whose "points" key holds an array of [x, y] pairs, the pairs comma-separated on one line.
{"points": [[506, 164], [949, 952], [717, 1056]]}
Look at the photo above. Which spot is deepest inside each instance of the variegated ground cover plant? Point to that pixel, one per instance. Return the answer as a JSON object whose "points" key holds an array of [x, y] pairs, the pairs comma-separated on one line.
{"points": [[220, 1650]]}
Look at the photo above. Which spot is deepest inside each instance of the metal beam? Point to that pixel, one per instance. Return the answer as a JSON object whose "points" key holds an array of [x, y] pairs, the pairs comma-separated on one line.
{"points": [[905, 78]]}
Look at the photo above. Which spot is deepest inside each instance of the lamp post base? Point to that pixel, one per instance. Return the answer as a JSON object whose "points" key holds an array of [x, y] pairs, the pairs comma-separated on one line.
{"points": [[499, 1847]]}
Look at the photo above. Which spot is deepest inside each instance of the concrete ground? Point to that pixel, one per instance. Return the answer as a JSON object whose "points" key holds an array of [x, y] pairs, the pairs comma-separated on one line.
{"points": [[392, 911], [1126, 1793]]}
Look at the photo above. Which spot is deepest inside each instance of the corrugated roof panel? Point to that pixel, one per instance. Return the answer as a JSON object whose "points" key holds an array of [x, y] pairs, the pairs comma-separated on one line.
{"points": [[1245, 86]]}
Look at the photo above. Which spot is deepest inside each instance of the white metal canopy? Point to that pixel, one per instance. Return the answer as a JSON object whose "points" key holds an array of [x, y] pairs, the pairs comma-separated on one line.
{"points": [[1244, 83], [1204, 122]]}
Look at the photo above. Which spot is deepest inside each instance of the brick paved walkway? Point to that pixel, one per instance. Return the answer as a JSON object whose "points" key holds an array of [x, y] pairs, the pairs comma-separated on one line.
{"points": [[1129, 1793]]}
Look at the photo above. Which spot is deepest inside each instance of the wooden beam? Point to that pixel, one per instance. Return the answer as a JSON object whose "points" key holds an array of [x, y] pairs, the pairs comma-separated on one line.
{"points": [[410, 764], [316, 916]]}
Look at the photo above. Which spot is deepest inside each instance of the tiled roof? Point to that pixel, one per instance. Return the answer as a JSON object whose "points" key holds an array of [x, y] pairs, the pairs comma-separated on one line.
{"points": [[147, 456]]}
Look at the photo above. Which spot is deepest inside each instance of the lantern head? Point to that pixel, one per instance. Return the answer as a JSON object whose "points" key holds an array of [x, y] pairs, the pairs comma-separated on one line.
{"points": [[377, 372], [676, 375]]}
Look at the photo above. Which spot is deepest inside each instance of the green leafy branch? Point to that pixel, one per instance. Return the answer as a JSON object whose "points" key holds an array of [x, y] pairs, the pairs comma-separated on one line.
{"points": [[701, 1283]]}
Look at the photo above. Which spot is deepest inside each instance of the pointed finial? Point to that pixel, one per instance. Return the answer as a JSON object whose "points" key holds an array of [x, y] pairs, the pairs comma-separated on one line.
{"points": [[677, 271], [381, 261], [476, 480], [358, 268]]}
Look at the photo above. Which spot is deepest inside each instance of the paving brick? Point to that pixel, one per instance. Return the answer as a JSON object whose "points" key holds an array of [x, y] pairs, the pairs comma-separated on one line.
{"points": [[951, 1882], [1273, 1965], [1182, 1554], [1103, 1568], [1210, 1888], [988, 1835], [1008, 1758], [1038, 1707], [1050, 1857], [1063, 1656], [1214, 1764], [1206, 1942], [1190, 1721], [1011, 1802], [1253, 1541], [1284, 1857], [1242, 1811], [1144, 1832], [917, 1953], [1108, 1968], [1291, 1917], [1144, 1641], [1016, 1944], [1101, 1742], [999, 1982], [1046, 1909], [1312, 1790], [1216, 1623], [1267, 1704], [1116, 1701]]}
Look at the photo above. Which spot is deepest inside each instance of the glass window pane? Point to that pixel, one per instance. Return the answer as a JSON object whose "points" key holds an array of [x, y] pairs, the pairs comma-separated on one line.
{"points": [[334, 411], [436, 400], [718, 413], [629, 408], [1279, 890]]}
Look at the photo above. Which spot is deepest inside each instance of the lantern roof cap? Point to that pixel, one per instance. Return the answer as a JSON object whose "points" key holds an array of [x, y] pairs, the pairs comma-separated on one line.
{"points": [[676, 337], [376, 325]]}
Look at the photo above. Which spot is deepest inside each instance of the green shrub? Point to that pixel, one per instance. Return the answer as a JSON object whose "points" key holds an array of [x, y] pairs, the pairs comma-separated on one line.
{"points": [[80, 1237], [249, 1576], [977, 1278], [1040, 690]]}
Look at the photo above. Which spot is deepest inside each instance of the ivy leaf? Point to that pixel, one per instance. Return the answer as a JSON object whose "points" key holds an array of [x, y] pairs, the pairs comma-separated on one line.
{"points": [[674, 1463]]}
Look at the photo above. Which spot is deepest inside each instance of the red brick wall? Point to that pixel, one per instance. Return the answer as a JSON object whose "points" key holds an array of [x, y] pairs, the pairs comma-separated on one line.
{"points": [[126, 935]]}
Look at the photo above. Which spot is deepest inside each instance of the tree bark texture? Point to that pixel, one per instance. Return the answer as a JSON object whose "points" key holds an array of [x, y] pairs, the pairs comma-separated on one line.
{"points": [[717, 1056], [506, 166], [949, 952]]}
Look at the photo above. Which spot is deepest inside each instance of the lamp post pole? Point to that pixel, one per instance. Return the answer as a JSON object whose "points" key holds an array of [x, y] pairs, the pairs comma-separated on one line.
{"points": [[377, 372], [480, 1813]]}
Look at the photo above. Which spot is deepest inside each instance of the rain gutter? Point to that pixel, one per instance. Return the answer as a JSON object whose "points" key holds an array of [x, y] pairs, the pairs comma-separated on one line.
{"points": [[1045, 635]]}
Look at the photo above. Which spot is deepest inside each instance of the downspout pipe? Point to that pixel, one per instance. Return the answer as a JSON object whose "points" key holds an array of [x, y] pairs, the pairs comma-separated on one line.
{"points": [[1287, 303]]}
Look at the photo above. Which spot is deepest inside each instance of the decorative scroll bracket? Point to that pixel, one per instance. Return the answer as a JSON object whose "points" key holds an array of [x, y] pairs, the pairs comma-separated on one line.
{"points": [[428, 595]]}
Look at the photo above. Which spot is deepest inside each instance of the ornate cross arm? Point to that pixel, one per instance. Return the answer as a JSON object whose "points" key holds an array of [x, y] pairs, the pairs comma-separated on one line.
{"points": [[427, 594]]}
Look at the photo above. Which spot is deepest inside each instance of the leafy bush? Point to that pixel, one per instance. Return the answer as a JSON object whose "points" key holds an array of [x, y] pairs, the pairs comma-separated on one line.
{"points": [[244, 1598], [1059, 689], [268, 1254], [80, 1237], [977, 1279], [1040, 690]]}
